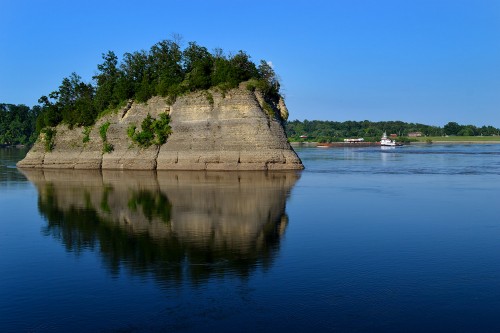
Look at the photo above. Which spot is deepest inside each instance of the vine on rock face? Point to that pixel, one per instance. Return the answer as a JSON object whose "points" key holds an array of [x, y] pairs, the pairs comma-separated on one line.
{"points": [[106, 146], [153, 131], [49, 136], [86, 134]]}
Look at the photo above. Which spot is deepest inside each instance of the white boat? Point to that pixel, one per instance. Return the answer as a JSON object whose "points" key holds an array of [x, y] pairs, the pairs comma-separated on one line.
{"points": [[386, 142], [354, 140]]}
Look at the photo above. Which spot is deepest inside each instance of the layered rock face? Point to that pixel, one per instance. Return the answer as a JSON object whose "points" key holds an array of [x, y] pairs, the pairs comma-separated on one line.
{"points": [[238, 130]]}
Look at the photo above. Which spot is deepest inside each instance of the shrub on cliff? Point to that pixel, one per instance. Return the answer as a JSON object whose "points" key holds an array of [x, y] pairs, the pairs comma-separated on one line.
{"points": [[103, 132], [153, 131], [49, 135]]}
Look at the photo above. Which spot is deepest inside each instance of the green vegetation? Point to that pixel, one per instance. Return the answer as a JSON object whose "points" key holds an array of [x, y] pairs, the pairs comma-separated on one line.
{"points": [[107, 148], [269, 110], [153, 131], [49, 135], [165, 70], [210, 97], [72, 104], [103, 130], [86, 134], [17, 124], [332, 131]]}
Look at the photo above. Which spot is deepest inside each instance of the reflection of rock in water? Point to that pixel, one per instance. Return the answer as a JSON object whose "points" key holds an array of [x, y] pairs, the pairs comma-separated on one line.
{"points": [[168, 223]]}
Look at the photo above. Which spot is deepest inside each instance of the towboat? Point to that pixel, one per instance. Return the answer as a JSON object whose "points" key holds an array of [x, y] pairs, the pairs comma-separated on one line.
{"points": [[386, 142]]}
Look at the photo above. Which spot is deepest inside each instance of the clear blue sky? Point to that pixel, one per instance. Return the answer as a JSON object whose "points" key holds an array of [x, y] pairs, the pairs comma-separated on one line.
{"points": [[427, 61]]}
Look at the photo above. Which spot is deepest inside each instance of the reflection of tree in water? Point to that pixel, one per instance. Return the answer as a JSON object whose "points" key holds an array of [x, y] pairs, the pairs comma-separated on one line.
{"points": [[135, 230], [76, 228], [154, 204]]}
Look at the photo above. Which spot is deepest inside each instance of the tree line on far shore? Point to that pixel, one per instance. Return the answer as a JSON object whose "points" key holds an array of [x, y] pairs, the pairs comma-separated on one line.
{"points": [[17, 124], [333, 131]]}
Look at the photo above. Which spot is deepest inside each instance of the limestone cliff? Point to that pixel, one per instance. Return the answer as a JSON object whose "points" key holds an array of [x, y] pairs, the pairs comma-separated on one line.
{"points": [[211, 130]]}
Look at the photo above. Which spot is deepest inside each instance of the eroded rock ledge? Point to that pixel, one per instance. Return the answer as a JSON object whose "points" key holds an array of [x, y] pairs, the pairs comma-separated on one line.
{"points": [[210, 131]]}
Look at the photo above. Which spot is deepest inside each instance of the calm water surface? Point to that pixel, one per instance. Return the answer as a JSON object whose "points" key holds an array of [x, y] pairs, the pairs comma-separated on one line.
{"points": [[363, 240]]}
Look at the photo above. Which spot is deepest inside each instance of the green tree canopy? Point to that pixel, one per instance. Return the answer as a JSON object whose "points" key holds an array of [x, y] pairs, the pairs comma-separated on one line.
{"points": [[164, 70], [17, 124], [452, 128]]}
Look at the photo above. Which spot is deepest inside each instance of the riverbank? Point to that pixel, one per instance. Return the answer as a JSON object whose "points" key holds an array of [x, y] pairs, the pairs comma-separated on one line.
{"points": [[419, 141], [12, 146], [377, 144], [459, 139], [464, 142], [347, 144]]}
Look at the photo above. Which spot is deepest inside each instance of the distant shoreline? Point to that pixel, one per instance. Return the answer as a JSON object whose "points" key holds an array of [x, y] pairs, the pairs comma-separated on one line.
{"points": [[469, 142], [376, 144], [459, 139]]}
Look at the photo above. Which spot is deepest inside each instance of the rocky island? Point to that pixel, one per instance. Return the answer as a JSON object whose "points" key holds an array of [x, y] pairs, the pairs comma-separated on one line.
{"points": [[166, 110], [210, 131]]}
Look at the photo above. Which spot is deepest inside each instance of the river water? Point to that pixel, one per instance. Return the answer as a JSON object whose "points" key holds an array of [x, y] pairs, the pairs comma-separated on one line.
{"points": [[392, 240]]}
